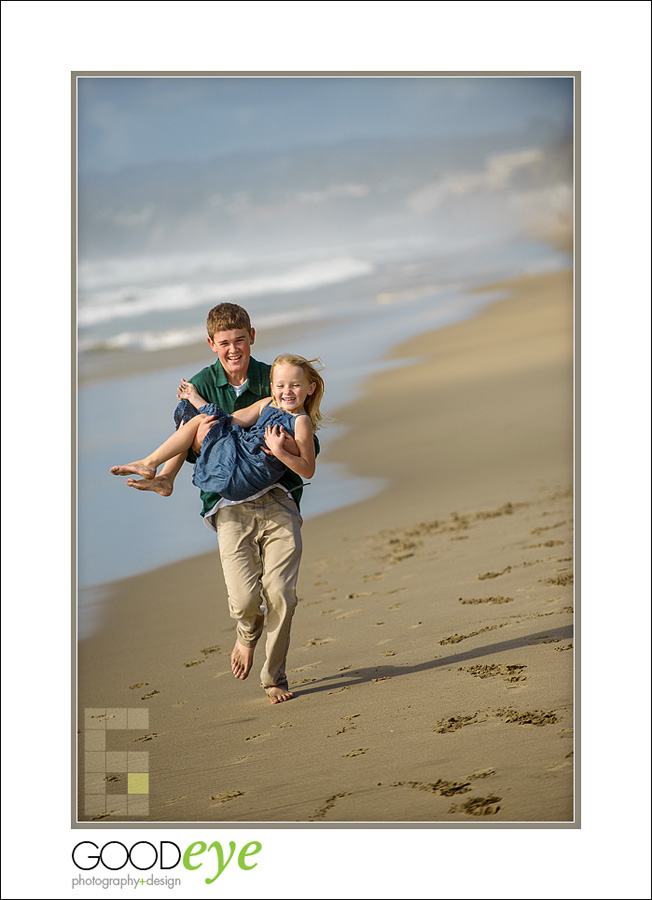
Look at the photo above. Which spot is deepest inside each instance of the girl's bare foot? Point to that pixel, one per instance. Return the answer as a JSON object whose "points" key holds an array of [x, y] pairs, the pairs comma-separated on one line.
{"points": [[279, 695], [160, 484], [241, 660], [135, 468]]}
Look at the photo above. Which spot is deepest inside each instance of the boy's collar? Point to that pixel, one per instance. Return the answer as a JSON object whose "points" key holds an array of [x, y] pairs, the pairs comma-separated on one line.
{"points": [[256, 376]]}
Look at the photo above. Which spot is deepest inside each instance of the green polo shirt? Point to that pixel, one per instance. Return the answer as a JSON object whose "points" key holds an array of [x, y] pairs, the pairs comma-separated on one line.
{"points": [[214, 387]]}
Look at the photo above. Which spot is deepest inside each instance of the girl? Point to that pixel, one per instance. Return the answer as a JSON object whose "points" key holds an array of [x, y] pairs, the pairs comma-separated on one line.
{"points": [[238, 463]]}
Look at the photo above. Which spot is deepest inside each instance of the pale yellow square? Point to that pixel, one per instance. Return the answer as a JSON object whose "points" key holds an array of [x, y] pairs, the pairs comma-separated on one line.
{"points": [[116, 717], [137, 762], [116, 761], [95, 740], [94, 762], [138, 783]]}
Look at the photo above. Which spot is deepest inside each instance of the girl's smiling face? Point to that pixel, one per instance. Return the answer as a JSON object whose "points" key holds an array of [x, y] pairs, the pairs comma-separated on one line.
{"points": [[290, 387]]}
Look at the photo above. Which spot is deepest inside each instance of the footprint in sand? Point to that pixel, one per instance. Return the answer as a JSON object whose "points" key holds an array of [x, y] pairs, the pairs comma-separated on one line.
{"points": [[440, 787], [139, 684], [511, 673], [479, 806], [213, 649], [148, 737], [149, 695], [258, 737], [359, 752], [194, 662], [492, 600], [307, 666], [543, 528], [224, 798], [487, 575], [174, 799], [349, 725], [456, 638], [561, 580], [317, 642], [532, 717], [454, 723], [180, 703], [328, 805]]}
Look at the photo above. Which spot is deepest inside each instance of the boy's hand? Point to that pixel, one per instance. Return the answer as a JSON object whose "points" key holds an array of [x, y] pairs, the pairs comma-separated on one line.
{"points": [[202, 431], [188, 391]]}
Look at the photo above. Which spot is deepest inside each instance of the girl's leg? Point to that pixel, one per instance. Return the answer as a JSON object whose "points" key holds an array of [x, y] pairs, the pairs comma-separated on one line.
{"points": [[178, 443]]}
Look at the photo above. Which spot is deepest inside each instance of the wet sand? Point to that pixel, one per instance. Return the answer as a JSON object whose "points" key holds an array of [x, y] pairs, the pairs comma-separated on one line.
{"points": [[432, 649]]}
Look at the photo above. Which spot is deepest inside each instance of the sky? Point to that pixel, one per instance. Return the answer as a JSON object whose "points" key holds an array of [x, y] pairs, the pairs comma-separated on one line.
{"points": [[128, 121]]}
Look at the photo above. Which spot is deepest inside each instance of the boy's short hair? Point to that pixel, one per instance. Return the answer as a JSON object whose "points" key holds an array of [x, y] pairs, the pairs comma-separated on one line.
{"points": [[226, 317]]}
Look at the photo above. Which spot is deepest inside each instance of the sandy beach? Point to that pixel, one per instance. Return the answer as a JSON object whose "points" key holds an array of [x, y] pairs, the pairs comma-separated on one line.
{"points": [[432, 649]]}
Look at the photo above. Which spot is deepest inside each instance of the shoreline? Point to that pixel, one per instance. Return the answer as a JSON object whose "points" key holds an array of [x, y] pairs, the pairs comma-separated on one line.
{"points": [[471, 536]]}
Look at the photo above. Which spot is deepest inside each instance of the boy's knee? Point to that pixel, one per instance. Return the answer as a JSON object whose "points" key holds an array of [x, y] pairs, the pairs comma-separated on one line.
{"points": [[280, 594], [244, 604]]}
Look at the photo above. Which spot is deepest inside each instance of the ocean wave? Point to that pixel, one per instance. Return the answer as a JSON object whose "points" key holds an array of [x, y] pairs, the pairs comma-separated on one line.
{"points": [[131, 301], [151, 341]]}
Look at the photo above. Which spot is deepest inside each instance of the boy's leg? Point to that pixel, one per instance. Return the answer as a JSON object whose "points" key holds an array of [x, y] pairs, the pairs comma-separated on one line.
{"points": [[280, 547], [237, 537]]}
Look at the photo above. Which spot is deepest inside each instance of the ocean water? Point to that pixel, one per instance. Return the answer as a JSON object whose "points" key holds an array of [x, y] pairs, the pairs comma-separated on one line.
{"points": [[348, 306]]}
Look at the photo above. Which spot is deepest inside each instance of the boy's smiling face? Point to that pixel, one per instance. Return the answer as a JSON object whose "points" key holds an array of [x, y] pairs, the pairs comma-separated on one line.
{"points": [[233, 350]]}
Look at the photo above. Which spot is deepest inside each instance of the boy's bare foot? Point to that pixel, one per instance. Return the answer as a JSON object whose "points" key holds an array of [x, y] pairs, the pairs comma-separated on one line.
{"points": [[160, 484], [241, 660], [134, 468], [279, 695]]}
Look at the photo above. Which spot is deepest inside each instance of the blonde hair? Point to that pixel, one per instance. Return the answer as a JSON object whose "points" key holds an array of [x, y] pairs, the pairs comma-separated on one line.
{"points": [[311, 374]]}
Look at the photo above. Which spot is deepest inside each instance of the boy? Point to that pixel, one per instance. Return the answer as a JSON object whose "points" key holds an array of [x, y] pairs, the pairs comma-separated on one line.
{"points": [[259, 538]]}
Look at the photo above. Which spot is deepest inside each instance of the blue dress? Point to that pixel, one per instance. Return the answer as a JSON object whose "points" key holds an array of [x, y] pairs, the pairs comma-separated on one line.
{"points": [[232, 462]]}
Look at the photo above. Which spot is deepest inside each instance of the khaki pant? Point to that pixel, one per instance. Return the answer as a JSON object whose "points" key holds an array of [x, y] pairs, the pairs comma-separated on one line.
{"points": [[260, 550]]}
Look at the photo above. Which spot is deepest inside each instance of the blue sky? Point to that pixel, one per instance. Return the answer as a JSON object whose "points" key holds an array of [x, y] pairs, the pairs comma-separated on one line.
{"points": [[125, 121]]}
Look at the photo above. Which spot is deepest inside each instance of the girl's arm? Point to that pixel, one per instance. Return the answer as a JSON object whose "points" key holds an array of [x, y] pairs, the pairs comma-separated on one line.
{"points": [[304, 464], [248, 416]]}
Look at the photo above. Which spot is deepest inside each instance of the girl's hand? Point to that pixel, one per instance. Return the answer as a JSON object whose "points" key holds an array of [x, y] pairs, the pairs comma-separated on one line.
{"points": [[188, 391], [275, 438]]}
